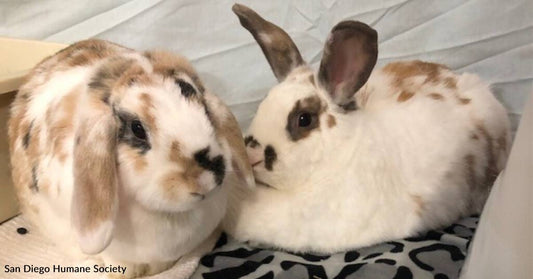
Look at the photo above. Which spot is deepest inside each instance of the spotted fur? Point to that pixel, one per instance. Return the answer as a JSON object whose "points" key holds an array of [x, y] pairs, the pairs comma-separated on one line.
{"points": [[406, 148], [106, 142]]}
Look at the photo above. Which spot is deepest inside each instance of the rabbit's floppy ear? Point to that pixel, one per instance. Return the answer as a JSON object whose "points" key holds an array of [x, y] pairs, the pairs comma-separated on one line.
{"points": [[349, 56], [227, 128], [279, 49], [95, 198], [95, 201]]}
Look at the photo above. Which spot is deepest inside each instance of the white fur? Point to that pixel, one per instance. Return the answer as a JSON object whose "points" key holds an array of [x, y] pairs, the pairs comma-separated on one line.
{"points": [[353, 184]]}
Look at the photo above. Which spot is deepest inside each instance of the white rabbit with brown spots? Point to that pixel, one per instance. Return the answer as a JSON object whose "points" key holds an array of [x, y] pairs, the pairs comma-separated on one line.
{"points": [[350, 157], [123, 155]]}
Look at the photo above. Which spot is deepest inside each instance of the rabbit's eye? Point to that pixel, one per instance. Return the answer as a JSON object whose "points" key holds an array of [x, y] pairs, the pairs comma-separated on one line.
{"points": [[304, 119], [187, 89], [138, 130]]}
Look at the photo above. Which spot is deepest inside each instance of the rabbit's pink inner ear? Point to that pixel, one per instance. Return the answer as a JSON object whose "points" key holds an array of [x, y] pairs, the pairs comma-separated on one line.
{"points": [[95, 198], [349, 57]]}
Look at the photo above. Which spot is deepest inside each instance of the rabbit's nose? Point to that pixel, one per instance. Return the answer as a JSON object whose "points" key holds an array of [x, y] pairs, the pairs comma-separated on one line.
{"points": [[215, 165], [255, 155]]}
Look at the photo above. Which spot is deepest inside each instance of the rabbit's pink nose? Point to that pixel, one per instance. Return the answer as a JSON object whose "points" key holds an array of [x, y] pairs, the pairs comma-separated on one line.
{"points": [[255, 155]]}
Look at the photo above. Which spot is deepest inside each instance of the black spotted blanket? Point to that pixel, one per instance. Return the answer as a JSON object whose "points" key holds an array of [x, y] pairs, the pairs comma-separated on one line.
{"points": [[437, 254]]}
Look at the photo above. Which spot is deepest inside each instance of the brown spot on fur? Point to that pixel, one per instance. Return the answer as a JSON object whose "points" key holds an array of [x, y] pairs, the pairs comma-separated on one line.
{"points": [[27, 136], [84, 53], [147, 109], [23, 132], [491, 170], [410, 76], [420, 204], [135, 75], [405, 70], [331, 121], [187, 177], [471, 178], [84, 58], [436, 96], [450, 82], [105, 78], [175, 153], [170, 65], [502, 142], [404, 96], [77, 54], [189, 164], [481, 181], [34, 185], [62, 157], [61, 123], [311, 105], [464, 101], [139, 161], [173, 181]]}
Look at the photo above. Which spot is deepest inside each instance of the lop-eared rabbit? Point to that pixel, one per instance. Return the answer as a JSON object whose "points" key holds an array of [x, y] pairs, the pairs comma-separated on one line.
{"points": [[123, 155]]}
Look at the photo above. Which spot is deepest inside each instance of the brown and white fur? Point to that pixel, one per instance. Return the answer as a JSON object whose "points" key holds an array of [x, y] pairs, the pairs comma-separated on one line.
{"points": [[123, 154], [350, 157]]}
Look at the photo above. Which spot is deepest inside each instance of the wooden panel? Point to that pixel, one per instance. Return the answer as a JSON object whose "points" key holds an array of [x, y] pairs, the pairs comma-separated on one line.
{"points": [[18, 58], [8, 201]]}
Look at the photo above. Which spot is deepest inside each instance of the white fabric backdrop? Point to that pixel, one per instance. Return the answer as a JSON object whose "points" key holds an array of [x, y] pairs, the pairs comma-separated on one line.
{"points": [[493, 38], [503, 244]]}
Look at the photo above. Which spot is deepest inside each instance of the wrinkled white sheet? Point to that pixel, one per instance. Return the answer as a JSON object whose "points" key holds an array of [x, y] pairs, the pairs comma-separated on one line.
{"points": [[503, 244], [493, 38]]}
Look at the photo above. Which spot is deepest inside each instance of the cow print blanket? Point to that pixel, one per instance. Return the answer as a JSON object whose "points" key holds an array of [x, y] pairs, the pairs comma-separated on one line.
{"points": [[437, 254]]}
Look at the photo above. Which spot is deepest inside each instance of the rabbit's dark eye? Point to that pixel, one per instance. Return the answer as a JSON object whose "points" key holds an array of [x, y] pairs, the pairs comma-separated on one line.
{"points": [[138, 130], [187, 89], [132, 131], [304, 119]]}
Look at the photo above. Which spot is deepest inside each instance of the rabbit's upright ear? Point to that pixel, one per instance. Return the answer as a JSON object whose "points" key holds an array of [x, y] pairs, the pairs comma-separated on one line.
{"points": [[227, 128], [95, 198], [279, 49], [349, 56]]}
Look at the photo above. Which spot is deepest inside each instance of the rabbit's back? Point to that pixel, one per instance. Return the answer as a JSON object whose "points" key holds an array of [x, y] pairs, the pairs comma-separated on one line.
{"points": [[444, 128]]}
